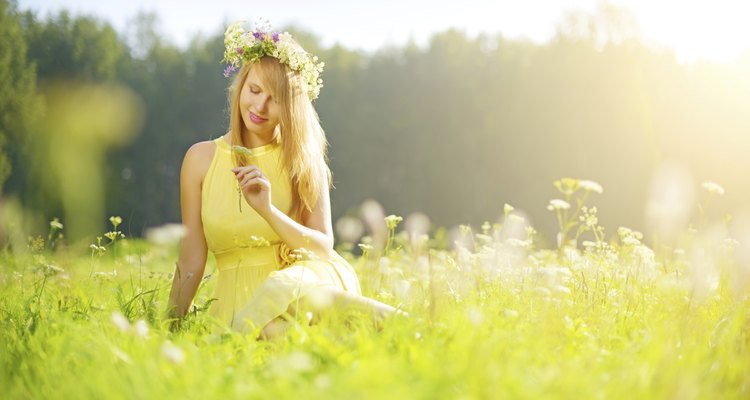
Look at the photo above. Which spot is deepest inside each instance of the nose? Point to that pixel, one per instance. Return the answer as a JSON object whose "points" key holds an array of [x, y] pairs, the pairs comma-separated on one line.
{"points": [[263, 103]]}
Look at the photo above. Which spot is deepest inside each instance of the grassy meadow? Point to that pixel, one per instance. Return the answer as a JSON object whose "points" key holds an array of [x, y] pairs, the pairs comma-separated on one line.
{"points": [[494, 313]]}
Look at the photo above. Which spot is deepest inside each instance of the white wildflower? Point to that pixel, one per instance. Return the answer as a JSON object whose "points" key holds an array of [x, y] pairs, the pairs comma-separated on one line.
{"points": [[172, 353], [121, 355], [51, 269], [589, 217], [392, 221], [730, 243], [513, 242], [55, 223], [115, 221], [141, 328], [105, 275], [475, 316], [323, 382], [120, 321], [295, 362], [713, 188], [349, 229], [557, 204], [561, 291], [591, 186], [166, 234]]}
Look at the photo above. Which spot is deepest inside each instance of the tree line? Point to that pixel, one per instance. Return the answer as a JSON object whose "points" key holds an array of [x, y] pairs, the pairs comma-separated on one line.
{"points": [[453, 129]]}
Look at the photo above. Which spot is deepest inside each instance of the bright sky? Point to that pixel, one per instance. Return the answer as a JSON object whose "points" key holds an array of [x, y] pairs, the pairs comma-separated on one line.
{"points": [[712, 29]]}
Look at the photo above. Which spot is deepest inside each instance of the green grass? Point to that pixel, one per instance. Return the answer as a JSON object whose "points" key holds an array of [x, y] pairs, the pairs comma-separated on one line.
{"points": [[493, 318]]}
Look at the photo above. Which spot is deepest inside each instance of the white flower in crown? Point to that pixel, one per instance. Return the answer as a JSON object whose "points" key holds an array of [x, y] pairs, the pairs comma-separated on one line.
{"points": [[242, 47]]}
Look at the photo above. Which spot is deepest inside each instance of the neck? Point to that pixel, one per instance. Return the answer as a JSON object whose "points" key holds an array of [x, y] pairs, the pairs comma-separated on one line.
{"points": [[256, 139]]}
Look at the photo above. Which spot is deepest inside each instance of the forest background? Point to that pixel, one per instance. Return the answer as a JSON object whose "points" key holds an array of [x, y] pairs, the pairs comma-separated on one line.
{"points": [[453, 129]]}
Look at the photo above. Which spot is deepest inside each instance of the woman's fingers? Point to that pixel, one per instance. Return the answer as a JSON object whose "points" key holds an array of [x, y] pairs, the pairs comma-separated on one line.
{"points": [[240, 172], [255, 181], [252, 175]]}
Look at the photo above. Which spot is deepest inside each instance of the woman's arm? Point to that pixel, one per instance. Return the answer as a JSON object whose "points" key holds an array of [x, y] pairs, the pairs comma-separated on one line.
{"points": [[315, 233], [193, 250]]}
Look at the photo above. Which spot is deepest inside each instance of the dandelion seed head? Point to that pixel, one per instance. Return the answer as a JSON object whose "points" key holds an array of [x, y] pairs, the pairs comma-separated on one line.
{"points": [[417, 224], [373, 215], [402, 289], [349, 229]]}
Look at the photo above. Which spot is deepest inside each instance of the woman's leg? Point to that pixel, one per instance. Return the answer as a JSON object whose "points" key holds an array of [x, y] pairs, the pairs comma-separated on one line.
{"points": [[274, 328], [325, 298]]}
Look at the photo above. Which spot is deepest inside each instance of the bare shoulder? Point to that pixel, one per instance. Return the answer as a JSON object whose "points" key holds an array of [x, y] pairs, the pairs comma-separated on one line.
{"points": [[198, 159]]}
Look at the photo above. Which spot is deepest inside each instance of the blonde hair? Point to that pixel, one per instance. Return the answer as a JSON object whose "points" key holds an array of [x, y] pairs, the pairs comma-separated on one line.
{"points": [[302, 139]]}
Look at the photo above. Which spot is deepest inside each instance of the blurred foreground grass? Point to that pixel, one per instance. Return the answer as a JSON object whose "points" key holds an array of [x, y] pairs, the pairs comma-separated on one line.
{"points": [[492, 316]]}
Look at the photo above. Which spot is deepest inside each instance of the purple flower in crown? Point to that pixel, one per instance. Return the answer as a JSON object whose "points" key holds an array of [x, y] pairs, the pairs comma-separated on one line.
{"points": [[275, 37], [240, 50], [259, 35], [229, 70]]}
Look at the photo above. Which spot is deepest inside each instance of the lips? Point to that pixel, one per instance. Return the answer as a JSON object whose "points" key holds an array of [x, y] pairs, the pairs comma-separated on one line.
{"points": [[256, 119]]}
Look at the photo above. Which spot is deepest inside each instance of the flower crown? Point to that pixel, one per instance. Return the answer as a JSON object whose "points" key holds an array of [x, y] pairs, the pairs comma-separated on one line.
{"points": [[242, 47]]}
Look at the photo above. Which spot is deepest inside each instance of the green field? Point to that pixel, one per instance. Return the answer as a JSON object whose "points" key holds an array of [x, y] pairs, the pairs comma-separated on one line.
{"points": [[492, 315]]}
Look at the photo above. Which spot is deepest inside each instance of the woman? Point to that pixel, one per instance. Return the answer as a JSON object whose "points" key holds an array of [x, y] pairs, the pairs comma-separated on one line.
{"points": [[257, 197]]}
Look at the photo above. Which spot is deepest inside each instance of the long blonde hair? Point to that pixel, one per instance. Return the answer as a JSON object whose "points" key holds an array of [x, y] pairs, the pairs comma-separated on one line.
{"points": [[303, 142]]}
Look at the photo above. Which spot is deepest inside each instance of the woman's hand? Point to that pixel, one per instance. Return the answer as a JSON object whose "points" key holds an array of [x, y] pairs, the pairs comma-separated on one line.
{"points": [[255, 187]]}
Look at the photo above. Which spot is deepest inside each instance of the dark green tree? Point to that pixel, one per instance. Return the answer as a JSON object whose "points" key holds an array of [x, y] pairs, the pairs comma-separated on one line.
{"points": [[18, 99]]}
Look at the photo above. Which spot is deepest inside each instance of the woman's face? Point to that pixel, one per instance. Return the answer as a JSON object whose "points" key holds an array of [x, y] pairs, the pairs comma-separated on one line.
{"points": [[258, 105]]}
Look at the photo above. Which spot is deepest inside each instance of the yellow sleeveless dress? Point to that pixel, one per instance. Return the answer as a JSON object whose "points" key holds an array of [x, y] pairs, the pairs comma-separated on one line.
{"points": [[252, 277]]}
